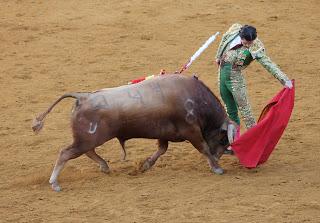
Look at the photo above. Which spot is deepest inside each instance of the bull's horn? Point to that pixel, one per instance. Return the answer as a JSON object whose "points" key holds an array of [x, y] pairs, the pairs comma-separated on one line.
{"points": [[231, 132]]}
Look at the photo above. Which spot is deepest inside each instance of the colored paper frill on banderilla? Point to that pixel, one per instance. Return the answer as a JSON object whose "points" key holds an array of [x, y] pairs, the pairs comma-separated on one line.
{"points": [[255, 145]]}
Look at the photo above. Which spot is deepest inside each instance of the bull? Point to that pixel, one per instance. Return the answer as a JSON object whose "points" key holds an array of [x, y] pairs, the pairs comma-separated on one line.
{"points": [[171, 108]]}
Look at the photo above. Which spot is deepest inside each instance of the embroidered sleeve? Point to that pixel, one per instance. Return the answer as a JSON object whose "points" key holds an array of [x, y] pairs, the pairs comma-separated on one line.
{"points": [[221, 46], [257, 51], [266, 62]]}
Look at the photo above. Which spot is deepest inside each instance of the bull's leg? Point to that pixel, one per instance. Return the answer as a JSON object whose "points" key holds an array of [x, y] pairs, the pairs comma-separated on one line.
{"points": [[212, 160], [219, 151], [124, 153], [71, 152], [162, 148], [200, 144], [102, 163]]}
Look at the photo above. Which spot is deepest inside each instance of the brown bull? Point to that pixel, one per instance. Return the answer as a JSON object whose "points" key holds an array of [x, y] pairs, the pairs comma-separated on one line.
{"points": [[168, 108]]}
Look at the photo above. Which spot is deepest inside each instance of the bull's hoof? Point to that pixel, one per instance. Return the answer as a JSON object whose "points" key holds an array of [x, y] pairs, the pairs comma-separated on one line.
{"points": [[218, 171], [56, 187], [105, 169], [146, 165]]}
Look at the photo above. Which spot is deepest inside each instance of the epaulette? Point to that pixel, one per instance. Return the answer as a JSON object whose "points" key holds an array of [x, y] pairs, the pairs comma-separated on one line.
{"points": [[234, 28]]}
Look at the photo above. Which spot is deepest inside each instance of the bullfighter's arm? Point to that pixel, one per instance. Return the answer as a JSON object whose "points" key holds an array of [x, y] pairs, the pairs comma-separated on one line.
{"points": [[258, 52], [266, 62], [220, 48]]}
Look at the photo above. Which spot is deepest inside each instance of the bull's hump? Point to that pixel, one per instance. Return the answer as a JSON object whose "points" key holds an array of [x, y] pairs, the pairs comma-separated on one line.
{"points": [[131, 97]]}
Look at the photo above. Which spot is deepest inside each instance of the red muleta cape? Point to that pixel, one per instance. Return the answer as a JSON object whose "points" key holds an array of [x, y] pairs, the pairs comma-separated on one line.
{"points": [[256, 144]]}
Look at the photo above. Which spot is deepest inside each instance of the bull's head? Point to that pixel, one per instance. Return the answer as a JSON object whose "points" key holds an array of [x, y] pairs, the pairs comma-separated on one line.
{"points": [[219, 139], [225, 138]]}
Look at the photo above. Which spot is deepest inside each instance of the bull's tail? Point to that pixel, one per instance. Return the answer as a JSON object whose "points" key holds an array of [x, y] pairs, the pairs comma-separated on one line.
{"points": [[38, 122]]}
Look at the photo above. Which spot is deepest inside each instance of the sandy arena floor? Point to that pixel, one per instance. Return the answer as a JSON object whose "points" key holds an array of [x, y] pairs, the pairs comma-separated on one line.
{"points": [[52, 47]]}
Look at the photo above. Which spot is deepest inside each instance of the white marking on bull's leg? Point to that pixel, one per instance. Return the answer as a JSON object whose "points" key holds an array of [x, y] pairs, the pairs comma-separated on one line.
{"points": [[92, 129], [54, 176], [71, 152]]}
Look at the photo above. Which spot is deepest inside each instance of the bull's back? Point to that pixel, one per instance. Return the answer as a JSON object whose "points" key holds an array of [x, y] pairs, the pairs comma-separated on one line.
{"points": [[154, 108], [150, 96], [151, 109]]}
